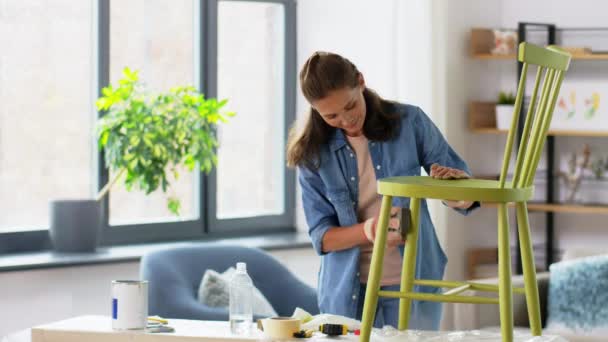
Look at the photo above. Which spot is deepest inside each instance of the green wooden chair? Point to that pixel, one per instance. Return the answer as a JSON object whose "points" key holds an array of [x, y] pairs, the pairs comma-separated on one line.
{"points": [[551, 62]]}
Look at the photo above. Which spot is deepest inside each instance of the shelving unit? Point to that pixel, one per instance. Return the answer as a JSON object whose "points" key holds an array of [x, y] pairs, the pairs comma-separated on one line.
{"points": [[482, 120]]}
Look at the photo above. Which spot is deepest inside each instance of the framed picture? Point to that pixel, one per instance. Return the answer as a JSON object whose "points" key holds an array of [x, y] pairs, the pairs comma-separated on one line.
{"points": [[581, 105]]}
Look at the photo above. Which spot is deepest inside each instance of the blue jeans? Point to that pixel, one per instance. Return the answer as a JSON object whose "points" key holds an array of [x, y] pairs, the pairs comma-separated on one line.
{"points": [[424, 315]]}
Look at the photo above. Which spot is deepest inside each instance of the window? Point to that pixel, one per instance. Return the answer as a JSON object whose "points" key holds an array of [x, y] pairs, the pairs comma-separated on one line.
{"points": [[46, 114], [160, 44], [251, 73], [62, 53]]}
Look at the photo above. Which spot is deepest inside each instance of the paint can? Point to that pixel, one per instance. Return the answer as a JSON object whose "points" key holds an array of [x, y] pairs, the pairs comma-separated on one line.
{"points": [[129, 304]]}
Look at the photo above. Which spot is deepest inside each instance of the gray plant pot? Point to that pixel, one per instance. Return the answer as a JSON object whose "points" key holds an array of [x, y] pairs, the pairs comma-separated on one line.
{"points": [[75, 225]]}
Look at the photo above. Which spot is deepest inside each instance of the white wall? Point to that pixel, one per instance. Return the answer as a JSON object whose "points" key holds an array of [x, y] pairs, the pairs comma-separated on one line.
{"points": [[388, 41], [29, 298], [457, 82]]}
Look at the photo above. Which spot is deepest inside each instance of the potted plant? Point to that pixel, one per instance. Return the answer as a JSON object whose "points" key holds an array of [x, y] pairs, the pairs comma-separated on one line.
{"points": [[504, 110], [144, 137]]}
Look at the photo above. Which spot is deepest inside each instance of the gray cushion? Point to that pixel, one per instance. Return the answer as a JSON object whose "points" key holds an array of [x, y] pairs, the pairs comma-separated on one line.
{"points": [[214, 291]]}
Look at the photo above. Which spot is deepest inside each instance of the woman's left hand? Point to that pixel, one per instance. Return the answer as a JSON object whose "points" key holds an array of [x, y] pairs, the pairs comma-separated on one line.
{"points": [[444, 172]]}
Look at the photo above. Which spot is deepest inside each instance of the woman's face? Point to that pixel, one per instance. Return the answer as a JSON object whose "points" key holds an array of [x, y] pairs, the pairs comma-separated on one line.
{"points": [[344, 109]]}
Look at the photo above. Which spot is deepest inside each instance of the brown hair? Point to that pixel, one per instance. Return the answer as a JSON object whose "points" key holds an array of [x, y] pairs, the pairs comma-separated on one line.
{"points": [[322, 73]]}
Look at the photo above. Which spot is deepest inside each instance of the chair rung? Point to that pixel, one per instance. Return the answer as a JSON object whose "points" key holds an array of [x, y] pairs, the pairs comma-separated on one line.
{"points": [[456, 284], [457, 290], [438, 297]]}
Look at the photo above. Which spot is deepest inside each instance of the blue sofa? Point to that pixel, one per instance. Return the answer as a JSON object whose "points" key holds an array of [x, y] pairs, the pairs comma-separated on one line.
{"points": [[174, 276]]}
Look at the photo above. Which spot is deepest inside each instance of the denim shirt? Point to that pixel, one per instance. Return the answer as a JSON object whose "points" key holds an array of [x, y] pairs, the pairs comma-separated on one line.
{"points": [[330, 193]]}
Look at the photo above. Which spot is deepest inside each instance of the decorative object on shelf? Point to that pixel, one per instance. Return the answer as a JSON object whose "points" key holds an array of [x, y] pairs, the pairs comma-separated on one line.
{"points": [[504, 110], [594, 189], [573, 176], [579, 107], [487, 43], [504, 42], [599, 166], [144, 136]]}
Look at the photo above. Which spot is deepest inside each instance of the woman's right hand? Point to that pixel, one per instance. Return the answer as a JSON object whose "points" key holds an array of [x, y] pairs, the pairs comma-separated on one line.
{"points": [[393, 237]]}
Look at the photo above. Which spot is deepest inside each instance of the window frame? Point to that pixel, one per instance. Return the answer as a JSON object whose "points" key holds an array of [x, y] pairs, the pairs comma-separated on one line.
{"points": [[267, 223], [207, 225]]}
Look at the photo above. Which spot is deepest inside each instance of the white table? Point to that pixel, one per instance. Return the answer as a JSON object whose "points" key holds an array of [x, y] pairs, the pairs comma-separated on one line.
{"points": [[99, 329]]}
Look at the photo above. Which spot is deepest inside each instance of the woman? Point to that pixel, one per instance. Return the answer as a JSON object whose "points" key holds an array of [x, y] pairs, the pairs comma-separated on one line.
{"points": [[353, 137]]}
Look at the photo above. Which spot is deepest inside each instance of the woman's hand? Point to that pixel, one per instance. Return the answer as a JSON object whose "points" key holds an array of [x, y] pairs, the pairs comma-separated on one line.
{"points": [[393, 237], [444, 172]]}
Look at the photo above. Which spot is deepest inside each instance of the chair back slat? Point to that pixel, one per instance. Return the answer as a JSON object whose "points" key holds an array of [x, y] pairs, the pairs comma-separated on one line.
{"points": [[553, 62], [545, 128], [527, 127], [519, 99], [536, 136]]}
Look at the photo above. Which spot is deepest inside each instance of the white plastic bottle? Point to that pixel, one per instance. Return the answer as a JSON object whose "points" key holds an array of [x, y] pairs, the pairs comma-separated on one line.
{"points": [[241, 309]]}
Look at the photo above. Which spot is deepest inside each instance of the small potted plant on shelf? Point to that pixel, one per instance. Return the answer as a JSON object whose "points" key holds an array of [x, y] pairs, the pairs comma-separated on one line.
{"points": [[504, 110], [144, 137]]}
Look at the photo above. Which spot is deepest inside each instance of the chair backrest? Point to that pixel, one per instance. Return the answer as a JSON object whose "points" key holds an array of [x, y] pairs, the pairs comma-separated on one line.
{"points": [[554, 63]]}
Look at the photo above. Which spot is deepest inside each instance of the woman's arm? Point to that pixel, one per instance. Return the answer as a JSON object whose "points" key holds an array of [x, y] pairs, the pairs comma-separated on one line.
{"points": [[340, 238], [361, 234]]}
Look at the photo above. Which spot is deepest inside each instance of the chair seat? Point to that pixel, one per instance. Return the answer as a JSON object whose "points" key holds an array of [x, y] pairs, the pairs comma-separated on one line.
{"points": [[456, 189]]}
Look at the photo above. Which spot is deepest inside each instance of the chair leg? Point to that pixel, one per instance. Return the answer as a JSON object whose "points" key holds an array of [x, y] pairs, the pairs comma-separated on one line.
{"points": [[505, 295], [408, 270], [527, 260], [375, 271]]}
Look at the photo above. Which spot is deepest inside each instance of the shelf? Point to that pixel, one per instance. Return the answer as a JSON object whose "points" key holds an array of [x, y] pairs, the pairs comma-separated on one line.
{"points": [[491, 56], [561, 208], [486, 56], [599, 56], [489, 130], [482, 120], [482, 43]]}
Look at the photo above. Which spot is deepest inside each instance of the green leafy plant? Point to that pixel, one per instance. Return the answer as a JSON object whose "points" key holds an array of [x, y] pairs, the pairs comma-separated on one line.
{"points": [[505, 98], [146, 136]]}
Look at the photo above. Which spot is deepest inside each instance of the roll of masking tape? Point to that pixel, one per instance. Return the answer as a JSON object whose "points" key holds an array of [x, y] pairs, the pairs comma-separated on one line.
{"points": [[280, 327]]}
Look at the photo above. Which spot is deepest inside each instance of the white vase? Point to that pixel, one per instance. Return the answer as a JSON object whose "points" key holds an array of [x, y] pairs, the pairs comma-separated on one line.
{"points": [[504, 115], [593, 191]]}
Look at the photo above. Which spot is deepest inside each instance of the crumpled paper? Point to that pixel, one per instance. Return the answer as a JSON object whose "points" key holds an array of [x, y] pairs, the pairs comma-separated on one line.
{"points": [[390, 334]]}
